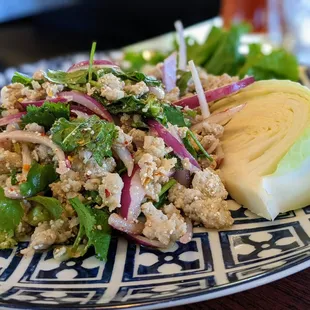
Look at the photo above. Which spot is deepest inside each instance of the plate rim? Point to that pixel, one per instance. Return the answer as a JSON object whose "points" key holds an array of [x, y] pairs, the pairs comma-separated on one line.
{"points": [[217, 292]]}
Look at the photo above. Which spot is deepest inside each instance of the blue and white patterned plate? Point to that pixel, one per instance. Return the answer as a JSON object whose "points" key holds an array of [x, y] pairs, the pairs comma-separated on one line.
{"points": [[215, 263]]}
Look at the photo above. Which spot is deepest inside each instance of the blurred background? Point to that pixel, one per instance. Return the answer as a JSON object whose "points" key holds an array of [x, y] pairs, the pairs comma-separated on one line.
{"points": [[36, 29]]}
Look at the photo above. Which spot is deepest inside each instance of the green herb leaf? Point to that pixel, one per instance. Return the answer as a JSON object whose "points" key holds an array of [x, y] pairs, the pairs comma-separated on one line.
{"points": [[148, 106], [94, 224], [62, 77], [52, 205], [92, 198], [174, 115], [38, 178], [183, 80], [21, 78], [137, 60], [47, 114], [11, 213], [134, 76], [227, 58], [270, 66], [201, 54], [93, 133]]}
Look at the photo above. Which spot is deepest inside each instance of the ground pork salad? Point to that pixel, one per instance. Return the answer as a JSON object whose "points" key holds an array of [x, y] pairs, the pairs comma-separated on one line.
{"points": [[96, 148]]}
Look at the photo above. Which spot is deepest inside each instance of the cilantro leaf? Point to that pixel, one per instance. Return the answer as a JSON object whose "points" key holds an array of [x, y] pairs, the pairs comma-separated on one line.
{"points": [[62, 77], [38, 178], [94, 225], [100, 238], [47, 114], [52, 205], [11, 213], [134, 76], [21, 78], [93, 133]]}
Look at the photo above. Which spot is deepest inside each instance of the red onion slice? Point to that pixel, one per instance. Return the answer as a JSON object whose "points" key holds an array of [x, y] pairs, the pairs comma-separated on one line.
{"points": [[215, 94], [178, 147], [148, 242], [183, 177], [88, 102], [133, 194], [38, 103], [169, 72], [189, 232], [118, 223], [125, 156], [26, 136], [96, 63], [14, 118]]}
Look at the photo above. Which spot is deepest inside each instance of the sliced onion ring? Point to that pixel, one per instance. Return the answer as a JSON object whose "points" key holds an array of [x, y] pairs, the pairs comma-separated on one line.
{"points": [[133, 194], [88, 102], [125, 156], [96, 63], [118, 223], [26, 136], [183, 177], [215, 94], [10, 119], [178, 148]]}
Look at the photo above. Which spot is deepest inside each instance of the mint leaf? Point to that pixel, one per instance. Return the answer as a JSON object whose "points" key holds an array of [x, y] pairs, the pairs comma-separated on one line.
{"points": [[47, 114], [93, 133], [62, 77], [38, 178], [21, 78], [94, 225], [52, 205], [11, 213]]}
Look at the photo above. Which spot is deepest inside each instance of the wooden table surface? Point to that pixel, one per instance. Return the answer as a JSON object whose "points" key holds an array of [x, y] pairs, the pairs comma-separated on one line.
{"points": [[288, 293]]}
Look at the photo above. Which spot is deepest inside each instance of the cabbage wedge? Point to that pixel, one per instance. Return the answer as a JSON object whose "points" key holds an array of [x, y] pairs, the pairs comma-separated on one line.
{"points": [[267, 147]]}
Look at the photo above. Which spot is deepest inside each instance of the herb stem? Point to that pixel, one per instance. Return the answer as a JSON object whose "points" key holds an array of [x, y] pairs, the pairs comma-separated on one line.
{"points": [[91, 60], [78, 88], [96, 84], [202, 149]]}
